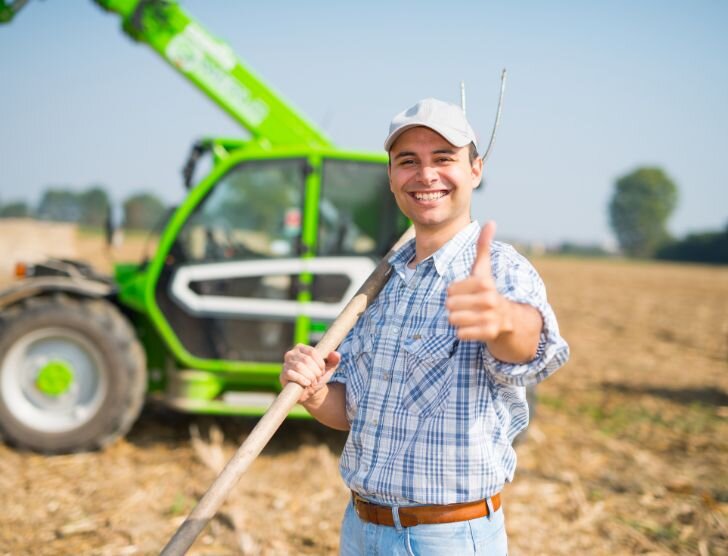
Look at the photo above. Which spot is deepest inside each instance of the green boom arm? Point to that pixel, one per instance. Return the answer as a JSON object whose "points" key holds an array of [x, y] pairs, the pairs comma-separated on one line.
{"points": [[212, 66]]}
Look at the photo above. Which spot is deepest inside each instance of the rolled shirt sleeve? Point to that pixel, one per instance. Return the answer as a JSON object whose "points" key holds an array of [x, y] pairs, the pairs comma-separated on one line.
{"points": [[342, 370], [518, 281], [346, 373]]}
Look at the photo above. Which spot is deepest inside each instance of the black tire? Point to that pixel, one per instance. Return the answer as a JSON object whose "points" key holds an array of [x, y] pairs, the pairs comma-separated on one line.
{"points": [[90, 341]]}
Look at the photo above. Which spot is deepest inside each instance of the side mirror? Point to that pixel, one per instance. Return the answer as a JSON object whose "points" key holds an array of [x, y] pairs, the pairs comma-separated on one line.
{"points": [[188, 172]]}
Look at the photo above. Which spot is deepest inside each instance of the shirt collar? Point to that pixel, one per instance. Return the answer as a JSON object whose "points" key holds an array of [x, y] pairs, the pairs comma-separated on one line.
{"points": [[443, 256], [402, 257]]}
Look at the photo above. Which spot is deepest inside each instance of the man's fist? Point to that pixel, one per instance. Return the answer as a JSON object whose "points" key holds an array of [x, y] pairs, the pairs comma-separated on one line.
{"points": [[476, 308], [305, 366]]}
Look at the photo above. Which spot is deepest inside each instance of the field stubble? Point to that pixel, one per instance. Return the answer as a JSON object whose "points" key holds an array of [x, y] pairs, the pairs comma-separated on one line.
{"points": [[627, 454]]}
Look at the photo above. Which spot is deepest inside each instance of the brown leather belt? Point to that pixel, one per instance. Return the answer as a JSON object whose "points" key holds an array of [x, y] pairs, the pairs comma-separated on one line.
{"points": [[409, 516]]}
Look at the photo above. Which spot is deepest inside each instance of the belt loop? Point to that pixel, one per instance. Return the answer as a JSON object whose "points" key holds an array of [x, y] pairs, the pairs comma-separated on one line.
{"points": [[395, 517], [489, 503]]}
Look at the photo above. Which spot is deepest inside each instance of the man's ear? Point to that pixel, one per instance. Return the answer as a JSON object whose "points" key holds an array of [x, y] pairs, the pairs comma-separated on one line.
{"points": [[389, 173], [477, 172]]}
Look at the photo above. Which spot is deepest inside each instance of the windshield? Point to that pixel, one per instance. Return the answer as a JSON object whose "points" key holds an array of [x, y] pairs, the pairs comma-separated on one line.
{"points": [[357, 212]]}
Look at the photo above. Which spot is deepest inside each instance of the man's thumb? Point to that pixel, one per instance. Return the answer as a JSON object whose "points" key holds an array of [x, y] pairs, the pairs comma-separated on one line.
{"points": [[333, 359], [481, 266]]}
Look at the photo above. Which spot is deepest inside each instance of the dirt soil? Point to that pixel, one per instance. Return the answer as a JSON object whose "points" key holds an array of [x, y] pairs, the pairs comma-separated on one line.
{"points": [[628, 453]]}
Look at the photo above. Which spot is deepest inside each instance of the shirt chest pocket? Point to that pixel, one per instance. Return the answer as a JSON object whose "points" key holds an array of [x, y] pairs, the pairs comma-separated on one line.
{"points": [[429, 376]]}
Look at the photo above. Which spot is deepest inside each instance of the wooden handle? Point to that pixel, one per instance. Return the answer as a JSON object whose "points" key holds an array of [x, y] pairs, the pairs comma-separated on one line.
{"points": [[261, 434]]}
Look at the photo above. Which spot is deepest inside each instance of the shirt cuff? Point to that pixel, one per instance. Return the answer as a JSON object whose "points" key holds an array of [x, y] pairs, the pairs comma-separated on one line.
{"points": [[552, 352]]}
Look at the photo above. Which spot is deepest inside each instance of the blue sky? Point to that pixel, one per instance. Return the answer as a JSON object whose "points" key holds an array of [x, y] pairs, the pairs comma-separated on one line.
{"points": [[595, 89]]}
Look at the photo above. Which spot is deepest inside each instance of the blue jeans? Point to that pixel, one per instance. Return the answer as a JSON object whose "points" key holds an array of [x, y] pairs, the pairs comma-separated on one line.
{"points": [[485, 535]]}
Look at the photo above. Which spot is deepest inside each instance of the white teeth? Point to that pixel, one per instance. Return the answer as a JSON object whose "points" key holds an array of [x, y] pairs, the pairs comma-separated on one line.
{"points": [[429, 196]]}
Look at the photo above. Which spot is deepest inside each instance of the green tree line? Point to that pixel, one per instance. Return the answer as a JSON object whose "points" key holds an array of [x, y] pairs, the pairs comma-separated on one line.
{"points": [[639, 210], [91, 208]]}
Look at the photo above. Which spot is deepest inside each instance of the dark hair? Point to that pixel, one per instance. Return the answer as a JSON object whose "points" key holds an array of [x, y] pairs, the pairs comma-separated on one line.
{"points": [[473, 153]]}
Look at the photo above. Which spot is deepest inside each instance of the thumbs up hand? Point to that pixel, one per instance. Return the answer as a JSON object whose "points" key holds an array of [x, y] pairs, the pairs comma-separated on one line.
{"points": [[481, 266], [477, 310]]}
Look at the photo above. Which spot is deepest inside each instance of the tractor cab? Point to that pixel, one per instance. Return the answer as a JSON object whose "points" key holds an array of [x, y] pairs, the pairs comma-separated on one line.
{"points": [[263, 254]]}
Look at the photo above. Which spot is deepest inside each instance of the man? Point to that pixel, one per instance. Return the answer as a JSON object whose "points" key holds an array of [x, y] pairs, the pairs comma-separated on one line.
{"points": [[430, 382]]}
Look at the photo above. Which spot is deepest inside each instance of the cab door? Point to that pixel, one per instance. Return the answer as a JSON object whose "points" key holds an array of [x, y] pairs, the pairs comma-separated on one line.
{"points": [[229, 287], [358, 222]]}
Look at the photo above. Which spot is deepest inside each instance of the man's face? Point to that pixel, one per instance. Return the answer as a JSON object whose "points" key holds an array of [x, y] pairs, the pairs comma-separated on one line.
{"points": [[432, 180]]}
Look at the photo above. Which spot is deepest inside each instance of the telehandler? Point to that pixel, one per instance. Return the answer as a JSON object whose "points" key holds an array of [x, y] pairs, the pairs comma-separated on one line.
{"points": [[263, 253]]}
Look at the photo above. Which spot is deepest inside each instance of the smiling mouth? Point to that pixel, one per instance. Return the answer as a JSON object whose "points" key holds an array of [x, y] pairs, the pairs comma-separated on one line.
{"points": [[429, 195]]}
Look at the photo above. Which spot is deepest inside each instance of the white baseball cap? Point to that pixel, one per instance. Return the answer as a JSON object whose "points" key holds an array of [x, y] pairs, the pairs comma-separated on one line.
{"points": [[442, 117]]}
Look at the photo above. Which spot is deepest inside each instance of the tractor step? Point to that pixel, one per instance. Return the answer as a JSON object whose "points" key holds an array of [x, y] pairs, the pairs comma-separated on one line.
{"points": [[197, 391]]}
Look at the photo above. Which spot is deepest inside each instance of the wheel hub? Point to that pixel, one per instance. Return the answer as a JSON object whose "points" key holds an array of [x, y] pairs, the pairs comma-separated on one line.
{"points": [[54, 378]]}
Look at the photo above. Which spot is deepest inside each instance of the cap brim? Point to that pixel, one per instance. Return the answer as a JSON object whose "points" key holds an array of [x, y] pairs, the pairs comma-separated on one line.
{"points": [[454, 138]]}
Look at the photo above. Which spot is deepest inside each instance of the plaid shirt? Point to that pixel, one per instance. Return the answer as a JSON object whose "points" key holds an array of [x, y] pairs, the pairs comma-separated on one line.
{"points": [[433, 417]]}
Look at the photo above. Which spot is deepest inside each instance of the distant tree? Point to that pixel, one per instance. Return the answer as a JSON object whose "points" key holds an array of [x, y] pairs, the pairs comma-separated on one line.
{"points": [[61, 205], [639, 209], [142, 211], [17, 209], [94, 207], [710, 247]]}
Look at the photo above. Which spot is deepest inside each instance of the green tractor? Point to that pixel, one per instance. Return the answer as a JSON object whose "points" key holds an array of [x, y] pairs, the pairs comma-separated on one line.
{"points": [[263, 253]]}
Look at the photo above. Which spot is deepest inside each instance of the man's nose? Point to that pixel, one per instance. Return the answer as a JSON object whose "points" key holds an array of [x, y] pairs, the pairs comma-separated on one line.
{"points": [[429, 175]]}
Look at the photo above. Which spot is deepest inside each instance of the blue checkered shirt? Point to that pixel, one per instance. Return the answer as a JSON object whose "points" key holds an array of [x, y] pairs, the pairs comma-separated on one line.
{"points": [[432, 417]]}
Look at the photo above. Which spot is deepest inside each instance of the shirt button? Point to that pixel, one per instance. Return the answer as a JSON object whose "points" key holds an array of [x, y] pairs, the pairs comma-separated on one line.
{"points": [[385, 376]]}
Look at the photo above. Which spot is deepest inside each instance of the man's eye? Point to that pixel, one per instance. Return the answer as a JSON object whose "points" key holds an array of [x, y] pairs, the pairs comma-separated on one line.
{"points": [[406, 162]]}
